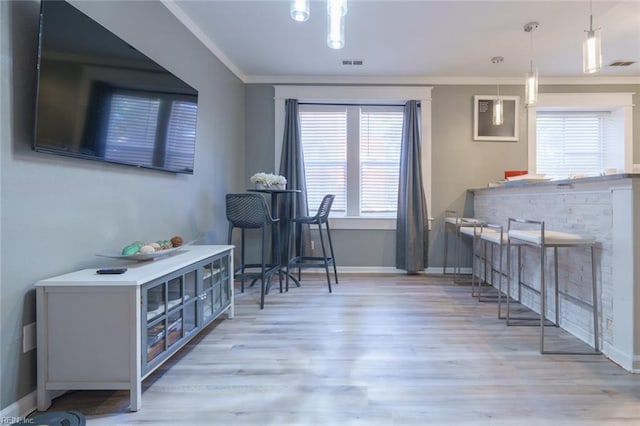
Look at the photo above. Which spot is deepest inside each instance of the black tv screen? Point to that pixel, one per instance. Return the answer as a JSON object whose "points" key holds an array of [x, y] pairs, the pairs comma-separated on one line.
{"points": [[99, 98]]}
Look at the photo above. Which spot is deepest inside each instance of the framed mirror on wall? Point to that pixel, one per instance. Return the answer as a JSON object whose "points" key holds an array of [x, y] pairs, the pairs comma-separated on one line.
{"points": [[483, 127]]}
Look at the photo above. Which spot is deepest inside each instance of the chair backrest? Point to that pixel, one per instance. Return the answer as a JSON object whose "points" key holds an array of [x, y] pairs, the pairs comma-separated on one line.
{"points": [[247, 210], [325, 208]]}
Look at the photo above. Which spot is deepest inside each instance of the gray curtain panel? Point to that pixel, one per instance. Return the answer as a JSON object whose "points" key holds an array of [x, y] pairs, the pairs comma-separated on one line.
{"points": [[292, 167], [412, 231]]}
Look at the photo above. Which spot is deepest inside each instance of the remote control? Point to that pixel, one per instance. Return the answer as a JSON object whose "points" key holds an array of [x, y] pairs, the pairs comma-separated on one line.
{"points": [[111, 271]]}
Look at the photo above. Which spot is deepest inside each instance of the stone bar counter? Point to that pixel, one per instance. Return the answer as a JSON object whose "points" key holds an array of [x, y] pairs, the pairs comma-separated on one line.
{"points": [[605, 207]]}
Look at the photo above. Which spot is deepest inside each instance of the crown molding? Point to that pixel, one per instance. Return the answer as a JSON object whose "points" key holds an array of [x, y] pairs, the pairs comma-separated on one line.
{"points": [[184, 19], [415, 80]]}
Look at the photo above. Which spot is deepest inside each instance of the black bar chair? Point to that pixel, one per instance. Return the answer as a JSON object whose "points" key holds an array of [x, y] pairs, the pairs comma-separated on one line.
{"points": [[250, 211], [301, 261]]}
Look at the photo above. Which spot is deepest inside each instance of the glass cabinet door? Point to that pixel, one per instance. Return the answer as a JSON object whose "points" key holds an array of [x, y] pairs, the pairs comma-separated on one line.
{"points": [[177, 305], [226, 279], [191, 302], [155, 325], [206, 296], [174, 310], [174, 327], [217, 284]]}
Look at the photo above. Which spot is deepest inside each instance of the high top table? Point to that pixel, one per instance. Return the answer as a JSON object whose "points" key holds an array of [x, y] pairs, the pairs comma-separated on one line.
{"points": [[290, 204]]}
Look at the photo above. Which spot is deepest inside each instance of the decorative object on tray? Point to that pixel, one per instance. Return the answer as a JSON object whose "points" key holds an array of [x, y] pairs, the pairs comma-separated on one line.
{"points": [[269, 181], [148, 250]]}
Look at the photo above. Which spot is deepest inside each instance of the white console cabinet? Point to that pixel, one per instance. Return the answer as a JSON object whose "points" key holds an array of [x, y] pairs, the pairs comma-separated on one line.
{"points": [[111, 331]]}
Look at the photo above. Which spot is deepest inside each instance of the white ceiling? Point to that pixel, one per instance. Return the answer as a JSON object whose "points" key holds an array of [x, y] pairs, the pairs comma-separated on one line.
{"points": [[414, 40]]}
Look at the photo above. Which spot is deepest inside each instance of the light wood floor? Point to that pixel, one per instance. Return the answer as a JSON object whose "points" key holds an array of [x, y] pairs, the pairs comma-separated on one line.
{"points": [[380, 350]]}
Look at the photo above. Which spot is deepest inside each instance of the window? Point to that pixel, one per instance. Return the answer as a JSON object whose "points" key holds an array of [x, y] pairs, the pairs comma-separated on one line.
{"points": [[571, 142], [580, 133], [323, 95], [354, 153]]}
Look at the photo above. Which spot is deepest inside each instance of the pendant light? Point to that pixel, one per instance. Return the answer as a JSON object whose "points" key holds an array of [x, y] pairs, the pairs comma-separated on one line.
{"points": [[591, 47], [336, 11], [498, 110], [531, 83], [299, 10]]}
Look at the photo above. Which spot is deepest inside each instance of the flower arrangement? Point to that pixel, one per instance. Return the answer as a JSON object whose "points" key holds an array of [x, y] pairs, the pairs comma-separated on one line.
{"points": [[269, 180]]}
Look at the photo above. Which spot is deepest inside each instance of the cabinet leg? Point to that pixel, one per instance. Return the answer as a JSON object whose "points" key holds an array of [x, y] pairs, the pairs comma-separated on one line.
{"points": [[136, 396], [44, 400]]}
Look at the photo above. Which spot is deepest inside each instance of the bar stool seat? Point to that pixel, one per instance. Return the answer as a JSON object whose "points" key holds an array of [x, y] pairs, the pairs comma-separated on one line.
{"points": [[551, 238], [543, 239], [463, 221]]}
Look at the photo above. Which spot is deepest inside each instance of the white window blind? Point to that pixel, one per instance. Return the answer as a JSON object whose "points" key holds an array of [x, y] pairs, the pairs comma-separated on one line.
{"points": [[324, 143], [353, 152], [380, 139], [569, 143]]}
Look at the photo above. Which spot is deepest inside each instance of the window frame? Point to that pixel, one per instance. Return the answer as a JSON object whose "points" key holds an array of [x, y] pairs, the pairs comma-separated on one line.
{"points": [[619, 103], [359, 95], [354, 191]]}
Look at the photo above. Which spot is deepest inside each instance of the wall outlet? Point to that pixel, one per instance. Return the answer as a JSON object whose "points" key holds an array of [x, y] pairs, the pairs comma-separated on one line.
{"points": [[29, 337]]}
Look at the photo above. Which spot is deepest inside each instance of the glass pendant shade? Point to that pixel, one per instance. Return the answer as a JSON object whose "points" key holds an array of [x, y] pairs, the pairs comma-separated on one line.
{"points": [[337, 6], [335, 30], [498, 112], [591, 52], [531, 87], [299, 10]]}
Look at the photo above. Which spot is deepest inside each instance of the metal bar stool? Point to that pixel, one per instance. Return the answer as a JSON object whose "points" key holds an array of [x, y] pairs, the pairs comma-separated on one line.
{"points": [[489, 238], [474, 231], [539, 238], [301, 261], [453, 223], [250, 211]]}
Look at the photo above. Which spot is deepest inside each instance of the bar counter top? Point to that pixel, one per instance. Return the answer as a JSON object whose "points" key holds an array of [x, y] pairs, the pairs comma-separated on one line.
{"points": [[560, 182]]}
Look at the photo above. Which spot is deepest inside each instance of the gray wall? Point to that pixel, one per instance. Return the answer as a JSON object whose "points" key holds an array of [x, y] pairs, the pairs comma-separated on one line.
{"points": [[56, 213], [459, 162]]}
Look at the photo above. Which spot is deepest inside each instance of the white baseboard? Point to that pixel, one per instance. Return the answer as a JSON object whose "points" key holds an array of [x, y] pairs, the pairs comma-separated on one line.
{"points": [[381, 270], [20, 409], [450, 270], [630, 363], [26, 405]]}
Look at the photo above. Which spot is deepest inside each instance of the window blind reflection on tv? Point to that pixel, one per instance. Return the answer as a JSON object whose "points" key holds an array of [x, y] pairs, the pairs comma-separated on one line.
{"points": [[101, 99]]}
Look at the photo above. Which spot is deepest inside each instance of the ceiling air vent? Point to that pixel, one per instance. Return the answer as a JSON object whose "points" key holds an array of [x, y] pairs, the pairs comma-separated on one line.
{"points": [[621, 63]]}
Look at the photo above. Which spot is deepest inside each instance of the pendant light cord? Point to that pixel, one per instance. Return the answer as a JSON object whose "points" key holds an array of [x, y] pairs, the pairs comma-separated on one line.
{"points": [[531, 50]]}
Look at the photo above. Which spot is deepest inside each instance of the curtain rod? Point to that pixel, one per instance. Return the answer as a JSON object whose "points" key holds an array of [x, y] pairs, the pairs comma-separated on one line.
{"points": [[351, 104]]}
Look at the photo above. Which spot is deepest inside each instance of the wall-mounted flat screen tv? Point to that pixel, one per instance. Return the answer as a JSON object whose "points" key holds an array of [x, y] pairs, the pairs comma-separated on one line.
{"points": [[99, 98]]}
